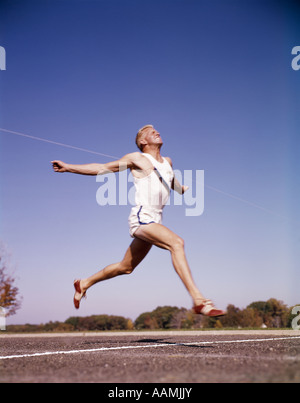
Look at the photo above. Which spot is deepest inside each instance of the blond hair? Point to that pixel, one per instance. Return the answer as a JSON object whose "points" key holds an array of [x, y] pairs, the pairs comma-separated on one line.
{"points": [[139, 136]]}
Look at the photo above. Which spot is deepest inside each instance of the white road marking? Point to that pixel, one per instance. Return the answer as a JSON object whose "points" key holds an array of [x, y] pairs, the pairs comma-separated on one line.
{"points": [[93, 350]]}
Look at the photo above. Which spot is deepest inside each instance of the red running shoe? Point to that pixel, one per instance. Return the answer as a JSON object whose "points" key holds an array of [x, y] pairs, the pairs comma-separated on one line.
{"points": [[78, 291], [207, 308]]}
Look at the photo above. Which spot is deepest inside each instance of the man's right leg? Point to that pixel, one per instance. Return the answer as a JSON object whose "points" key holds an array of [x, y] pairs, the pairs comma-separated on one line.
{"points": [[133, 256], [163, 237]]}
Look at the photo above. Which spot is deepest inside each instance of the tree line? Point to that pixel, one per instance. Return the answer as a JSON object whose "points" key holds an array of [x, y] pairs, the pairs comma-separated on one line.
{"points": [[270, 314], [259, 314]]}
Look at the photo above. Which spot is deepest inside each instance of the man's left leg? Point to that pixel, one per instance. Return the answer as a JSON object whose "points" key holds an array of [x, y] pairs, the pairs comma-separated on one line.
{"points": [[133, 256]]}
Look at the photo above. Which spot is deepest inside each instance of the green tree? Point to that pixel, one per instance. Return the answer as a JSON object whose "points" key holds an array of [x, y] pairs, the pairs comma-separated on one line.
{"points": [[98, 322], [145, 321], [249, 317], [9, 293], [274, 313], [232, 319], [159, 318]]}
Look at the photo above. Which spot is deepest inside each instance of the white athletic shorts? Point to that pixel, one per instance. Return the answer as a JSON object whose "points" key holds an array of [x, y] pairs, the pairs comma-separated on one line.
{"points": [[141, 215]]}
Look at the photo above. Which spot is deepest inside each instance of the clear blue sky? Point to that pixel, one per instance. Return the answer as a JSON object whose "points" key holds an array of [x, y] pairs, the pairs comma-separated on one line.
{"points": [[215, 79]]}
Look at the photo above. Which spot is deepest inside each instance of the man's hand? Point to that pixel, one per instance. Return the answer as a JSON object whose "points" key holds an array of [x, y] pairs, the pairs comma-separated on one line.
{"points": [[178, 187], [59, 166]]}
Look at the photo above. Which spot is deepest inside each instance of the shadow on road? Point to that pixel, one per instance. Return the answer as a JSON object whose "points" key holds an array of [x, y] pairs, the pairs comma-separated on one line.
{"points": [[164, 341]]}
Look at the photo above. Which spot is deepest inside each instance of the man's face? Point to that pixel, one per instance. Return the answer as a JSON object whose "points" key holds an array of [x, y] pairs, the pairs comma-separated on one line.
{"points": [[152, 137]]}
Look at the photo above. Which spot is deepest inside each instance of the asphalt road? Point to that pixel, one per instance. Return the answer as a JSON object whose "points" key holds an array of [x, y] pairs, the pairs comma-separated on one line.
{"points": [[152, 357]]}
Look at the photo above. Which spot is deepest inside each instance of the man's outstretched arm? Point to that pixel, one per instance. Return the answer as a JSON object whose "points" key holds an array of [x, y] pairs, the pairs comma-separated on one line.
{"points": [[95, 169]]}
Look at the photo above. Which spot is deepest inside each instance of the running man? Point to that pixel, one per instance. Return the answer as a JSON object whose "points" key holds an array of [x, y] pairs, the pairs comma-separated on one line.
{"points": [[153, 178]]}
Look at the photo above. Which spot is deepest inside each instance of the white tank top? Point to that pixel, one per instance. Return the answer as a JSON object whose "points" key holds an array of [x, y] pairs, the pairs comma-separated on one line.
{"points": [[153, 190]]}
